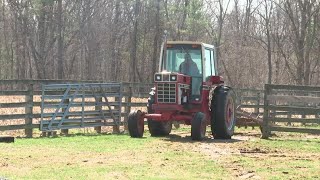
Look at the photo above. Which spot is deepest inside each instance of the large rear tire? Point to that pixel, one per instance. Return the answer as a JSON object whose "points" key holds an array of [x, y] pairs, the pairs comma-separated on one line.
{"points": [[157, 128], [198, 127], [135, 124], [223, 113]]}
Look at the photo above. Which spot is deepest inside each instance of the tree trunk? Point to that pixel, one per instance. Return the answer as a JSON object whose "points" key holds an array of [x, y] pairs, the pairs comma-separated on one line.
{"points": [[134, 42], [115, 28], [156, 40], [60, 41]]}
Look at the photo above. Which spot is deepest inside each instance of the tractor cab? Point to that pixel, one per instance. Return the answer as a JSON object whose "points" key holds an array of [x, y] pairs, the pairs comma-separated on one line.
{"points": [[195, 60]]}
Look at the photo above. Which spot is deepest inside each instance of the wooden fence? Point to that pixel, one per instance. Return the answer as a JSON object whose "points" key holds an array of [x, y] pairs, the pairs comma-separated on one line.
{"points": [[251, 99], [27, 110], [250, 107], [289, 106], [23, 109], [23, 93], [134, 96]]}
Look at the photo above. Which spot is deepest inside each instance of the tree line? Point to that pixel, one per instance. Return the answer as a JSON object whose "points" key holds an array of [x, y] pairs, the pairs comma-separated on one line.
{"points": [[257, 41]]}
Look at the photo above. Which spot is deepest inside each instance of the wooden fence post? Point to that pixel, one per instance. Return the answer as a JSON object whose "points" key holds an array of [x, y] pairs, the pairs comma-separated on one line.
{"points": [[128, 107], [257, 110], [29, 111], [116, 128], [65, 131], [265, 127], [98, 108], [303, 114], [238, 95]]}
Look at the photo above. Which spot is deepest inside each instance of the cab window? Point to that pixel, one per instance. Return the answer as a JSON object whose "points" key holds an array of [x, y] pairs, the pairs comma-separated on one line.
{"points": [[209, 65]]}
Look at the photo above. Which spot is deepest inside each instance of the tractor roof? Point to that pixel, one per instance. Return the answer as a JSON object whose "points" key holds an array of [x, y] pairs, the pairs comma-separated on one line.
{"points": [[190, 42]]}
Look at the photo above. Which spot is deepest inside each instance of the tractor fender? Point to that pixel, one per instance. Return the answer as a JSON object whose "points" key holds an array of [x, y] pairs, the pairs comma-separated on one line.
{"points": [[214, 89], [212, 92]]}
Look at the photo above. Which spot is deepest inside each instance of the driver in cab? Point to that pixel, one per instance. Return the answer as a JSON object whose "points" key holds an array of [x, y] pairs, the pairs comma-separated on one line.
{"points": [[190, 68]]}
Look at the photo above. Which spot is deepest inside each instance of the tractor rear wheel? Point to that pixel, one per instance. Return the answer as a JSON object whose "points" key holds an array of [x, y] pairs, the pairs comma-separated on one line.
{"points": [[135, 124], [198, 127], [157, 128], [223, 113]]}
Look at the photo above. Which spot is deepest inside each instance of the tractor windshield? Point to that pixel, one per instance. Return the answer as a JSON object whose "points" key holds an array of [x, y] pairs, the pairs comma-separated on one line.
{"points": [[185, 59]]}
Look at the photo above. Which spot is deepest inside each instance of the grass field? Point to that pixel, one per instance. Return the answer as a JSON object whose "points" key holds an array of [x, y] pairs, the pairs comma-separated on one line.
{"points": [[106, 156]]}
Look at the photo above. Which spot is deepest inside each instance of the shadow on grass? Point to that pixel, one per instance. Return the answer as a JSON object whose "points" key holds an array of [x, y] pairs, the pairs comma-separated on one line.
{"points": [[187, 139], [76, 135], [247, 134]]}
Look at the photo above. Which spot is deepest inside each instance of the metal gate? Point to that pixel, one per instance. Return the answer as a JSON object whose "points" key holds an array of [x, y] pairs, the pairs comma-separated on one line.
{"points": [[66, 106]]}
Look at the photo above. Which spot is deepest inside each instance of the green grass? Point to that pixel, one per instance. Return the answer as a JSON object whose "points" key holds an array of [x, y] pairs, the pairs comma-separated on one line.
{"points": [[94, 156], [102, 157]]}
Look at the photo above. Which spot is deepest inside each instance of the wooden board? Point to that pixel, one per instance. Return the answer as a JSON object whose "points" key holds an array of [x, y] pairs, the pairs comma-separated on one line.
{"points": [[300, 130], [291, 99], [6, 139]]}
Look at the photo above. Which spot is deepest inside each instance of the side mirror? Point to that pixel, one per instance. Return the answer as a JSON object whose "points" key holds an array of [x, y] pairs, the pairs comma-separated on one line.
{"points": [[216, 79]]}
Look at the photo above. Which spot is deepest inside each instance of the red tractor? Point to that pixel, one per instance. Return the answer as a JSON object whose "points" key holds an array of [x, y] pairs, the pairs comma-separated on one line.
{"points": [[187, 88]]}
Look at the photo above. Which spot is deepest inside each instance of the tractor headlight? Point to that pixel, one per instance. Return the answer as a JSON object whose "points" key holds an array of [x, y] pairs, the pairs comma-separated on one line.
{"points": [[157, 77], [173, 78]]}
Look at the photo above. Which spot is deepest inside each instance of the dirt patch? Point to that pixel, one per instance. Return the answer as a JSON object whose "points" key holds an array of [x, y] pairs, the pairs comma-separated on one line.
{"points": [[240, 154]]}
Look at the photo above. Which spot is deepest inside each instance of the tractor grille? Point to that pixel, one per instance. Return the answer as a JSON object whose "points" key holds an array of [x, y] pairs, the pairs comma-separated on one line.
{"points": [[166, 93]]}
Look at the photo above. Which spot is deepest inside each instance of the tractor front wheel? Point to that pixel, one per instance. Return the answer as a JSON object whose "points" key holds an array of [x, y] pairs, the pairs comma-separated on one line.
{"points": [[158, 128], [135, 124], [223, 113], [198, 127]]}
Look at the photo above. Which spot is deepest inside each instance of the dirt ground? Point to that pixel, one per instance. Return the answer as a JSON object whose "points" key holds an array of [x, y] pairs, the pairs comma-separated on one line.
{"points": [[246, 144]]}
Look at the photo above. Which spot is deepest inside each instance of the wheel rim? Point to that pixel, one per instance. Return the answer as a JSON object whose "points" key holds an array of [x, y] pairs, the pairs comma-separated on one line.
{"points": [[230, 114]]}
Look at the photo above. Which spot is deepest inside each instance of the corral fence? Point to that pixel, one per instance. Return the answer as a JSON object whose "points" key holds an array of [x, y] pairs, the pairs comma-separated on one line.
{"points": [[250, 103], [290, 108], [67, 106], [20, 104]]}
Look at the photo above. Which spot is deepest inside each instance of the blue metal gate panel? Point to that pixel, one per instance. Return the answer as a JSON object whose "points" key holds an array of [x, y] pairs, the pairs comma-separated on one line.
{"points": [[66, 106]]}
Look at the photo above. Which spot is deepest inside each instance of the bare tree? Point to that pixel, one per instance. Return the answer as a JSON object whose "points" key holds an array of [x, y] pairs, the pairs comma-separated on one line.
{"points": [[60, 40], [265, 15], [301, 16], [134, 39], [217, 29]]}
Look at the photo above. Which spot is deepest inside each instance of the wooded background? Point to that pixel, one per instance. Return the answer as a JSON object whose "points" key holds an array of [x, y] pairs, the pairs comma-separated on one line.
{"points": [[258, 41]]}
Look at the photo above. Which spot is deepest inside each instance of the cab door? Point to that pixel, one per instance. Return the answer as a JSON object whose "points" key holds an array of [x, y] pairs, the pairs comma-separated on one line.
{"points": [[209, 64]]}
